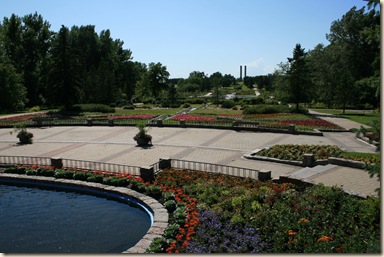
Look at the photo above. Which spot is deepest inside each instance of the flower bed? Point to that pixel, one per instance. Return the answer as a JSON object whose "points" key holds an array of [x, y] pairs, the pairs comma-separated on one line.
{"points": [[321, 152], [24, 117], [135, 116], [193, 118], [213, 213], [240, 215], [296, 152]]}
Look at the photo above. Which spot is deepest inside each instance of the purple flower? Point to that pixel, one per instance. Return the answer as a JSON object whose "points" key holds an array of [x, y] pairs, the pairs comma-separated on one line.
{"points": [[215, 235]]}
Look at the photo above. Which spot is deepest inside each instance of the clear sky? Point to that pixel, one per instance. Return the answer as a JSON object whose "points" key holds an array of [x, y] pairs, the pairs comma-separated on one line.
{"points": [[199, 35]]}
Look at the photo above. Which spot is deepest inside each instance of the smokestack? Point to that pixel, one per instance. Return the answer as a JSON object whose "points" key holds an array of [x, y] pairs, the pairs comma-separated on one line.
{"points": [[245, 71], [241, 72]]}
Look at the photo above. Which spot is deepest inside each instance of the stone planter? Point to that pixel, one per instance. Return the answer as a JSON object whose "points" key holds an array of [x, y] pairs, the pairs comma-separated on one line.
{"points": [[143, 141]]}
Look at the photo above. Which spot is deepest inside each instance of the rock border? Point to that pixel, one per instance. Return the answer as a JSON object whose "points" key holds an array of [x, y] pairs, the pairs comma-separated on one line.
{"points": [[160, 214]]}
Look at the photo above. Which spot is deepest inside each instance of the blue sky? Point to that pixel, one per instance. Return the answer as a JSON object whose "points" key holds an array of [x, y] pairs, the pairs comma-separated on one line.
{"points": [[199, 35]]}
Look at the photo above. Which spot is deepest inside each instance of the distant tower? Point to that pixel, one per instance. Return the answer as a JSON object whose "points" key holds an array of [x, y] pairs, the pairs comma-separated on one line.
{"points": [[245, 71], [241, 72]]}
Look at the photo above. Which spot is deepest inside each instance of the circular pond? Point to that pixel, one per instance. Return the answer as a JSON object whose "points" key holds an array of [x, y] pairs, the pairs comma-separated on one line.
{"points": [[40, 220]]}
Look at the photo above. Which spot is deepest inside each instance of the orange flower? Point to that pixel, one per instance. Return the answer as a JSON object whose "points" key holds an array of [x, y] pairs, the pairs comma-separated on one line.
{"points": [[303, 220], [291, 232], [324, 239]]}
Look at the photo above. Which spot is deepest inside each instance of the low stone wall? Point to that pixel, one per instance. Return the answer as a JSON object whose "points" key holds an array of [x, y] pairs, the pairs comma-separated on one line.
{"points": [[307, 163], [346, 163], [159, 212]]}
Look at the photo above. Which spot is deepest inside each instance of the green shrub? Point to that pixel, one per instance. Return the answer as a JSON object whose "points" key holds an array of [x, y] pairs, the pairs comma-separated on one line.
{"points": [[170, 205], [66, 174], [31, 172], [252, 101], [171, 231], [158, 245], [24, 136], [154, 191], [138, 186], [93, 108], [195, 101], [266, 109], [95, 178], [15, 170], [228, 104], [35, 109], [185, 105], [45, 172], [80, 175], [168, 196], [128, 107]]}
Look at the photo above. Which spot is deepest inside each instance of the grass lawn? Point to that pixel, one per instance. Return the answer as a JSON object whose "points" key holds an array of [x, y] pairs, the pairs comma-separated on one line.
{"points": [[360, 117]]}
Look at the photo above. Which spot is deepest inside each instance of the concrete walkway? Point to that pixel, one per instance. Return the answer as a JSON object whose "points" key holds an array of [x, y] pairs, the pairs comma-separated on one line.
{"points": [[226, 147]]}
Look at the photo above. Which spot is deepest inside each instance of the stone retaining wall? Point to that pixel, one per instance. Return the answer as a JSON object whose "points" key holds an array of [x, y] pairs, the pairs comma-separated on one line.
{"points": [[160, 213]]}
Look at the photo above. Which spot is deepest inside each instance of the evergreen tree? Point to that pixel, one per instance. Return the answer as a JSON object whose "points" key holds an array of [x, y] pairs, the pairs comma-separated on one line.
{"points": [[64, 72]]}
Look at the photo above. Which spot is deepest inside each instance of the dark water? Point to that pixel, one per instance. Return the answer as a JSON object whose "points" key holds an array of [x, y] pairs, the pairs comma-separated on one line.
{"points": [[34, 220]]}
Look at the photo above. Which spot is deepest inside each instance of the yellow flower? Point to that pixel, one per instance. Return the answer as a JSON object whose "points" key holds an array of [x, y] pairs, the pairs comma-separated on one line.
{"points": [[291, 232], [303, 220], [324, 239]]}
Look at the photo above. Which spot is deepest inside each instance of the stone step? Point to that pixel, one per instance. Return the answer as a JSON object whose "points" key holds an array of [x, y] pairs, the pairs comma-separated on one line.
{"points": [[309, 172]]}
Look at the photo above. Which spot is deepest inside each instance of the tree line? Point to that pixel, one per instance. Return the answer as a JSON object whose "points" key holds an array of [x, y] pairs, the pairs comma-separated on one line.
{"points": [[344, 73], [40, 67]]}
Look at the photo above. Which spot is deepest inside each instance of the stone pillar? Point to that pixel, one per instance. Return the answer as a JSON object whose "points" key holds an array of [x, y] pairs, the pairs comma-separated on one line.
{"points": [[291, 129], [110, 122], [309, 160], [165, 164], [57, 162], [147, 174], [264, 175]]}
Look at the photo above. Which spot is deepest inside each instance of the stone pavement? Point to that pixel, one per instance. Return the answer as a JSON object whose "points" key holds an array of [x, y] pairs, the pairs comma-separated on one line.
{"points": [[226, 147]]}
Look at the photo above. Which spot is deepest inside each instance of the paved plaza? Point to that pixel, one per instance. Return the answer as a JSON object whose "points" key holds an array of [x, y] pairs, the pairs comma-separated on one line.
{"points": [[226, 147]]}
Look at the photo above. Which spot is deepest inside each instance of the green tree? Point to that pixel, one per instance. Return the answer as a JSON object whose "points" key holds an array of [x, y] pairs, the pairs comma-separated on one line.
{"points": [[297, 87], [64, 73], [11, 88], [35, 43], [155, 79]]}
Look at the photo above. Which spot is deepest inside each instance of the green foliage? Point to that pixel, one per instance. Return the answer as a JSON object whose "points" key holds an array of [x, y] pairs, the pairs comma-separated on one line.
{"points": [[91, 108], [158, 245], [95, 178], [66, 174], [265, 109], [228, 104], [24, 136], [80, 175], [296, 152], [12, 87], [15, 170], [170, 205]]}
